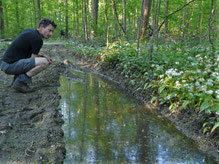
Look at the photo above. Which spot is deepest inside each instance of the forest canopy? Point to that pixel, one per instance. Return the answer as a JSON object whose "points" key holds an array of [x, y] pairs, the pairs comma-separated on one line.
{"points": [[113, 19]]}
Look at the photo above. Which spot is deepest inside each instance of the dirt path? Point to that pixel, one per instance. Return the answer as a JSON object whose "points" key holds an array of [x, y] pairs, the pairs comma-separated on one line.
{"points": [[30, 124]]}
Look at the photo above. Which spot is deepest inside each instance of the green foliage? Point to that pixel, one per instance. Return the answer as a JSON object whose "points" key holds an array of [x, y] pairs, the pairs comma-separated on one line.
{"points": [[182, 76]]}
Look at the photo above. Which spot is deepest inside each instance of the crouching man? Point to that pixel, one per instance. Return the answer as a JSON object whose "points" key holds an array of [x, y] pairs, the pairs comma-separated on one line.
{"points": [[22, 60]]}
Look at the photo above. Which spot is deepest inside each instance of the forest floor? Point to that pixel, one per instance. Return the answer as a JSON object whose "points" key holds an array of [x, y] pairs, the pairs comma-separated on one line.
{"points": [[30, 124]]}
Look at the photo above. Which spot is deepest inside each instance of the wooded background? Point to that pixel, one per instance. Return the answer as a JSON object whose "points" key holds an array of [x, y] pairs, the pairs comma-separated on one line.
{"points": [[113, 19]]}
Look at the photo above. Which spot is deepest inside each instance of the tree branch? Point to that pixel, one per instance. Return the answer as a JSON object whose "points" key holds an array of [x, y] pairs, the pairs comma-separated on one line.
{"points": [[117, 19], [174, 13]]}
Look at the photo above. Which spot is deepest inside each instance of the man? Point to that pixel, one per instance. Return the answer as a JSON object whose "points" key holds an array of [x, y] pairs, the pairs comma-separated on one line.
{"points": [[22, 60]]}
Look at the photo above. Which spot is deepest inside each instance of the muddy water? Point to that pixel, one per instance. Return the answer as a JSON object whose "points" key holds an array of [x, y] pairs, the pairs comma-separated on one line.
{"points": [[105, 125]]}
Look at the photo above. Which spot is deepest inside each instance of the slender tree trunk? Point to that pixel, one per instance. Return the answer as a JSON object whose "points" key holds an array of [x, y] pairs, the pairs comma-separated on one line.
{"points": [[184, 20], [114, 22], [95, 18], [124, 14], [77, 19], [211, 20], [166, 13], [39, 11], [201, 19], [157, 20], [105, 2], [140, 25], [136, 18], [34, 11], [1, 19], [145, 19], [66, 18], [17, 15], [117, 18], [84, 18]]}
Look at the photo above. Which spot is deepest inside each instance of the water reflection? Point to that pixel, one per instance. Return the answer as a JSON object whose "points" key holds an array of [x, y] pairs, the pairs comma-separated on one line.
{"points": [[103, 125]]}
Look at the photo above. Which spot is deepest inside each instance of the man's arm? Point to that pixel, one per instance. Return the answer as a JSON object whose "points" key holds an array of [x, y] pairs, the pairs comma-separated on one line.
{"points": [[50, 60]]}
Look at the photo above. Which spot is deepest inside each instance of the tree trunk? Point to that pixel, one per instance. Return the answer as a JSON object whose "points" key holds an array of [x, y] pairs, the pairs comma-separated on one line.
{"points": [[124, 14], [157, 20], [115, 24], [201, 19], [66, 18], [184, 20], [84, 18], [145, 19], [77, 19], [34, 10], [136, 18], [140, 24], [17, 15], [39, 12], [211, 20], [1, 19], [166, 13], [94, 18], [106, 21]]}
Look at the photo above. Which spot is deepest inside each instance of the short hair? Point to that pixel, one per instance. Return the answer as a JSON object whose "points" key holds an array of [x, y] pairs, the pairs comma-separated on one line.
{"points": [[46, 22]]}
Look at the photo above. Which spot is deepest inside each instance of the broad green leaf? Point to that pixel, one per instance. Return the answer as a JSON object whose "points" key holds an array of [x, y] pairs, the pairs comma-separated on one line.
{"points": [[205, 130], [132, 82], [213, 109], [214, 127], [204, 105], [153, 99], [206, 123], [185, 103], [161, 88]]}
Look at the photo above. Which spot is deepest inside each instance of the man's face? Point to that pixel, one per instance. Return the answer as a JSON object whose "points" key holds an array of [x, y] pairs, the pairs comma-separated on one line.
{"points": [[46, 32]]}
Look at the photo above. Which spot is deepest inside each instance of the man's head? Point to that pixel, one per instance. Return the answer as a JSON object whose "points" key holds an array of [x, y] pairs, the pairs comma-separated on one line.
{"points": [[46, 27]]}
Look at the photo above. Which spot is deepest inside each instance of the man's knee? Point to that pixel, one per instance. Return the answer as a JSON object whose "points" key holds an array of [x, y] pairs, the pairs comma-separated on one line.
{"points": [[42, 62]]}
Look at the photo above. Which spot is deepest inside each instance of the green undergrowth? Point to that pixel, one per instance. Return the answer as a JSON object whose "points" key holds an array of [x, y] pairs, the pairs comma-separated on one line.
{"points": [[4, 45], [181, 75]]}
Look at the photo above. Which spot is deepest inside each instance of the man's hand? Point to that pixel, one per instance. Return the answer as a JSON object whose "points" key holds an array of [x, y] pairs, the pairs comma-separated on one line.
{"points": [[50, 60]]}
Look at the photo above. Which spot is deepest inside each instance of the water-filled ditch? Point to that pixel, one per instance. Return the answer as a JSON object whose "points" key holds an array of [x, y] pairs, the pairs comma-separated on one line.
{"points": [[105, 125]]}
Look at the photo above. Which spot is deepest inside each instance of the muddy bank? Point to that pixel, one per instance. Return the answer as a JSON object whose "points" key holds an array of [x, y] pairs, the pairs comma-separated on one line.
{"points": [[187, 121], [30, 124]]}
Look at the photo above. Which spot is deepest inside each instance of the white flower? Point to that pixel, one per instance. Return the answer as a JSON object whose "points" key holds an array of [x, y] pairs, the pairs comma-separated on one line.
{"points": [[177, 63], [197, 84], [161, 76], [168, 97], [209, 92], [210, 82], [217, 92], [194, 64], [201, 79], [203, 88], [177, 83], [198, 70], [186, 85]]}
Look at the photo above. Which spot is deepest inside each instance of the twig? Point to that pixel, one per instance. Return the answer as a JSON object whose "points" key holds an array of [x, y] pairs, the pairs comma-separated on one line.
{"points": [[29, 149]]}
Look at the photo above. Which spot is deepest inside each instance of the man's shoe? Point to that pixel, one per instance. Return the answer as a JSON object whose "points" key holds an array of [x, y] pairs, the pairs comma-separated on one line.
{"points": [[23, 88]]}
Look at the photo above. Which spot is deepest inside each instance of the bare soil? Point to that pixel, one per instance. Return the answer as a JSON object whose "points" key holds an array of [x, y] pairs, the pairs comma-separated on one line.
{"points": [[30, 124]]}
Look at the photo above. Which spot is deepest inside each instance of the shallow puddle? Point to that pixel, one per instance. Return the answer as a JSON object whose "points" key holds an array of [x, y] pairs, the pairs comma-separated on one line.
{"points": [[105, 125]]}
